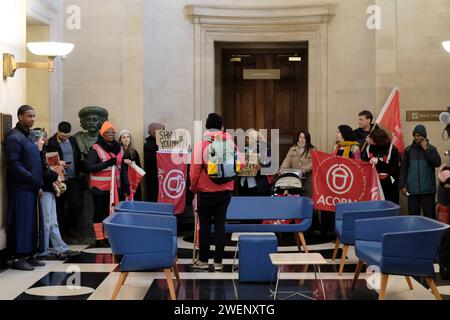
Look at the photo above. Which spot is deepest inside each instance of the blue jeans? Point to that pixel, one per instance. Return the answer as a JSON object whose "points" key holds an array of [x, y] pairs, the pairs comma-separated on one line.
{"points": [[51, 228]]}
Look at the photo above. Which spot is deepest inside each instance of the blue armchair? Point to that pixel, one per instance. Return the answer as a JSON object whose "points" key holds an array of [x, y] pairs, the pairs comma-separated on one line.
{"points": [[146, 242], [145, 207], [405, 245], [348, 213]]}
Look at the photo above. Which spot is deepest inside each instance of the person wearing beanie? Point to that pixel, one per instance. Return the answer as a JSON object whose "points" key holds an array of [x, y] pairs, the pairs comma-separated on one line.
{"points": [[214, 121], [104, 156], [212, 198], [417, 178], [130, 155]]}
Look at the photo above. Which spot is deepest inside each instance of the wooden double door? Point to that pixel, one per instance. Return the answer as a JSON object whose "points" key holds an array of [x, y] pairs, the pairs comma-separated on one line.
{"points": [[280, 103]]}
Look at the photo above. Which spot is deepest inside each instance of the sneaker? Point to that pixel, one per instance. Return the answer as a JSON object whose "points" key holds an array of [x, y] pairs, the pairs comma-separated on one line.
{"points": [[218, 266], [34, 262], [200, 265]]}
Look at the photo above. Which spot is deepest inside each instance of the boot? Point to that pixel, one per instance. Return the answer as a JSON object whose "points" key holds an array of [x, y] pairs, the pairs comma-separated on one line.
{"points": [[22, 265]]}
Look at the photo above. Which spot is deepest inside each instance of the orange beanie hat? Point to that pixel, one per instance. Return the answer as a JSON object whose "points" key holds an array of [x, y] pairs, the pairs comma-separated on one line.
{"points": [[105, 127]]}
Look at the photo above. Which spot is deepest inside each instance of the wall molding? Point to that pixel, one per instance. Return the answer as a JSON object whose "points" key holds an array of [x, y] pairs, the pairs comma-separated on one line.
{"points": [[263, 24]]}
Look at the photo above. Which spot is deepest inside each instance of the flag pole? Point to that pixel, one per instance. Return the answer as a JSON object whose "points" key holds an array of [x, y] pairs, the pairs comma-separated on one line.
{"points": [[382, 112]]}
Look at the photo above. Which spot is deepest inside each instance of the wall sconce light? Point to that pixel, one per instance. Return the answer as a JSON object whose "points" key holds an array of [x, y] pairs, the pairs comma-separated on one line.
{"points": [[446, 45], [49, 49]]}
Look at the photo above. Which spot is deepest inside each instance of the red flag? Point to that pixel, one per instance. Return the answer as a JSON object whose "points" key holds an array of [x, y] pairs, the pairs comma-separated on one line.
{"points": [[342, 180], [135, 175], [172, 173], [390, 119]]}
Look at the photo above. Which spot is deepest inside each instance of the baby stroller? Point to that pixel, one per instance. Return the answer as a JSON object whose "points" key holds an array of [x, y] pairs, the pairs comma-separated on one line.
{"points": [[288, 184]]}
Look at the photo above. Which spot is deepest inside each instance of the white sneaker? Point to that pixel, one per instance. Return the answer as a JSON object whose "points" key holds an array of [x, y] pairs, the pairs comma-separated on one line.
{"points": [[200, 265], [218, 266]]}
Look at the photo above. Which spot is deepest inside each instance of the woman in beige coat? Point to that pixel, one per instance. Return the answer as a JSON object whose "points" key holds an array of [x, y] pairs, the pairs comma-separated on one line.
{"points": [[299, 157]]}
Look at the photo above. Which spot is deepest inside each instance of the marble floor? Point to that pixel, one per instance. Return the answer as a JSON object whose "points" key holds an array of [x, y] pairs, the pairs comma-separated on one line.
{"points": [[93, 274]]}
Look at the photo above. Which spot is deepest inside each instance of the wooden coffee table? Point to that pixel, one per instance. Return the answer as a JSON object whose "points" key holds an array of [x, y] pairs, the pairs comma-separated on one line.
{"points": [[285, 259]]}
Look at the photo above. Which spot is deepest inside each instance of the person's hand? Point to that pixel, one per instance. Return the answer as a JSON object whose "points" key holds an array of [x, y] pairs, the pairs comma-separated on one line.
{"points": [[373, 161], [111, 162], [424, 144], [128, 162], [405, 191], [64, 164], [58, 181], [41, 193], [444, 175]]}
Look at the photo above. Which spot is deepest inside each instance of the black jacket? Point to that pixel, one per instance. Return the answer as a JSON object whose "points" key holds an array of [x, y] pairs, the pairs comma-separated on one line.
{"points": [[49, 176], [361, 136], [151, 168], [95, 164], [53, 146]]}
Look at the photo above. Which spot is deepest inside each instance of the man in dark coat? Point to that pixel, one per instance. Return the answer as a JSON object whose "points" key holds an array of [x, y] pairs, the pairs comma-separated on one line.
{"points": [[365, 127], [70, 204], [24, 223], [150, 164], [417, 174]]}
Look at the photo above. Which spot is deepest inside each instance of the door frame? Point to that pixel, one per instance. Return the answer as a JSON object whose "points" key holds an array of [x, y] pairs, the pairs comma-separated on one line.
{"points": [[280, 24]]}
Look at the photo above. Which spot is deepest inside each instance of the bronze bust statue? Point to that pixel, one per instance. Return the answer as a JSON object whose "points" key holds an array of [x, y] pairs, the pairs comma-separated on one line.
{"points": [[91, 120]]}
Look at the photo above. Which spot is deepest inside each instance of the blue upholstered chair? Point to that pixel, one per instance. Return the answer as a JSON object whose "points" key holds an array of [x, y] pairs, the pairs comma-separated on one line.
{"points": [[348, 213], [146, 242], [404, 245], [145, 207], [248, 209]]}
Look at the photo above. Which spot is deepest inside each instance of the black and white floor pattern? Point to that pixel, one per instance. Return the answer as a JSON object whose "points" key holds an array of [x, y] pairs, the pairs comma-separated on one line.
{"points": [[94, 273]]}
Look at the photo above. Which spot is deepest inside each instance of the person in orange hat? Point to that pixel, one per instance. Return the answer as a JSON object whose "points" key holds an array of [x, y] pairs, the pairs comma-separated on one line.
{"points": [[104, 163]]}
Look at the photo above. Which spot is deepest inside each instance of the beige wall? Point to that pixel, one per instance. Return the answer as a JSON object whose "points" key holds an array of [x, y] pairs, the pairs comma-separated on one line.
{"points": [[12, 90], [136, 58], [38, 85], [106, 66]]}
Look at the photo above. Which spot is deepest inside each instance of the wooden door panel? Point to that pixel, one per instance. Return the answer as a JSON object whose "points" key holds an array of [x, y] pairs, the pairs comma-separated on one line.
{"points": [[245, 109], [266, 104]]}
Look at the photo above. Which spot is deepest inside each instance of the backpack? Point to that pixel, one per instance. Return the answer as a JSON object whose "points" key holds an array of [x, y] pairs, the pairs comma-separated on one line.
{"points": [[222, 164]]}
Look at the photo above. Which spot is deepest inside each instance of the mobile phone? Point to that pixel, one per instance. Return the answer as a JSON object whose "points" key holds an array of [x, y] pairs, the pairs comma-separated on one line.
{"points": [[70, 162]]}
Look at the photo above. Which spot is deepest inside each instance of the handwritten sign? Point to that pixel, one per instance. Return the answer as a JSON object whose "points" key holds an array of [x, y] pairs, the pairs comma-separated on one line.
{"points": [[173, 139]]}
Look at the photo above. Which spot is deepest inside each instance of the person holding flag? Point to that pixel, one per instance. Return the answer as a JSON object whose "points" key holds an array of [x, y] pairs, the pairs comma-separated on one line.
{"points": [[386, 160], [107, 180], [132, 164]]}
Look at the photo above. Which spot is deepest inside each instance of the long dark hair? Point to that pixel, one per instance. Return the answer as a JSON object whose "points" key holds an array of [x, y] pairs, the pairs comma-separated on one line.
{"points": [[347, 133], [380, 137], [308, 145]]}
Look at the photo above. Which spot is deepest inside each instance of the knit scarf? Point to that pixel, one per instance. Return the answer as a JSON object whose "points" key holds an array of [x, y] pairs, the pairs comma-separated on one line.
{"points": [[347, 145]]}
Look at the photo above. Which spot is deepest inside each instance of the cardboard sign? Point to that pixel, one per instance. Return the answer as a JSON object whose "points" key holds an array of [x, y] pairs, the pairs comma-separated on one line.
{"points": [[54, 163], [251, 167], [173, 139]]}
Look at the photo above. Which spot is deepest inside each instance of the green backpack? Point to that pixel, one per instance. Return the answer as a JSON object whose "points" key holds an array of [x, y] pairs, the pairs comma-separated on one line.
{"points": [[222, 164]]}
